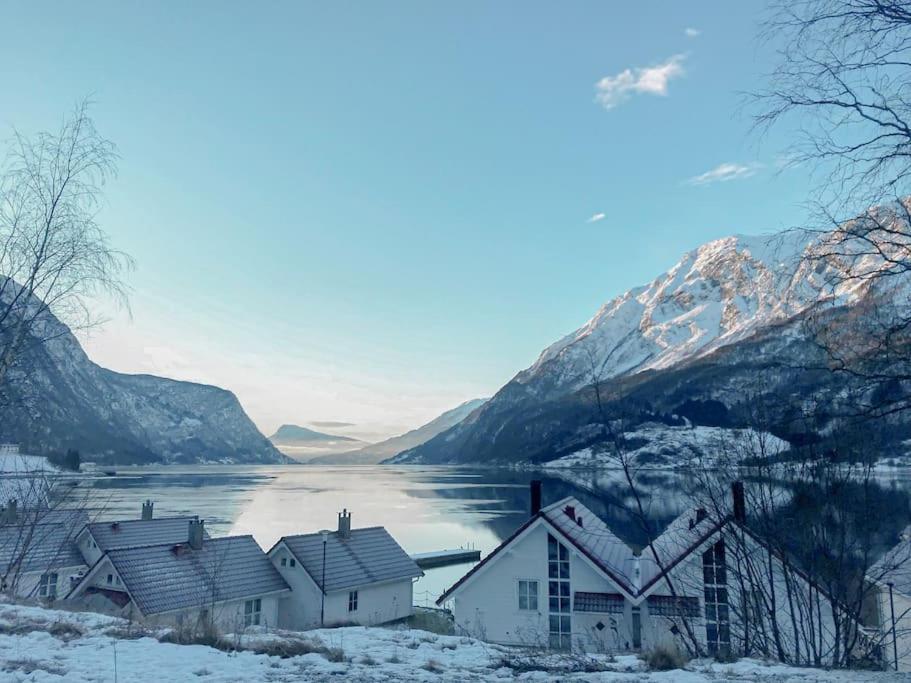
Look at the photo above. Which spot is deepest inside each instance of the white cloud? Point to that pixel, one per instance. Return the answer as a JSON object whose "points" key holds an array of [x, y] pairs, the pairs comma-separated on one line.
{"points": [[597, 217], [652, 80], [692, 32], [725, 172]]}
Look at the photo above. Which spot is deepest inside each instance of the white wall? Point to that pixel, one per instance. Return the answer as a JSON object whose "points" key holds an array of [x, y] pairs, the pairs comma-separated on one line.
{"points": [[487, 606], [28, 582], [377, 603], [902, 640]]}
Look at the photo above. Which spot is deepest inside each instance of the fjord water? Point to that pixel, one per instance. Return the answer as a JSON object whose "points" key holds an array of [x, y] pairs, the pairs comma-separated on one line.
{"points": [[425, 508]]}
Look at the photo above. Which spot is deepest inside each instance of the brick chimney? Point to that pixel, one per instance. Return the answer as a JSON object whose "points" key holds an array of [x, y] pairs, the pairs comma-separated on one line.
{"points": [[147, 510], [535, 487], [344, 524], [740, 508], [196, 533]]}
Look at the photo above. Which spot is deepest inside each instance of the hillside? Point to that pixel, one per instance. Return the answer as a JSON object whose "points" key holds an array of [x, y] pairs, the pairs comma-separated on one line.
{"points": [[374, 453], [56, 398], [720, 333]]}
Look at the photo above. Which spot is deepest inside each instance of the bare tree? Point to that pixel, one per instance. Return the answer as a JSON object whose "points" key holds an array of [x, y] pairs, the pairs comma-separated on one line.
{"points": [[53, 254], [842, 79]]}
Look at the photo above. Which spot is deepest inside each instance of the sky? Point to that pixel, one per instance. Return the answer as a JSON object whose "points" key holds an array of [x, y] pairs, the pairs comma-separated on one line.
{"points": [[367, 213]]}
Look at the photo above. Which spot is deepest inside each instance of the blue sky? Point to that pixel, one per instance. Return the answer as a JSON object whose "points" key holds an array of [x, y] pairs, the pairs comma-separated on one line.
{"points": [[370, 212]]}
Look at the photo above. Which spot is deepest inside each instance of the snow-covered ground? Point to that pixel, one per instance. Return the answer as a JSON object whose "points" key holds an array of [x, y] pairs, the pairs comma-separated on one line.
{"points": [[18, 463], [54, 646], [662, 446]]}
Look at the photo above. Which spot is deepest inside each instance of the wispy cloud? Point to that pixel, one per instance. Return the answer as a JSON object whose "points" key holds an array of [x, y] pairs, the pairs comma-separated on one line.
{"points": [[651, 80], [722, 173], [692, 32], [597, 217], [332, 423]]}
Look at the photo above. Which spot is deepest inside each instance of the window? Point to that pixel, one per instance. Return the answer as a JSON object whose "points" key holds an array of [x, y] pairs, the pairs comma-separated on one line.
{"points": [[292, 562], [528, 595], [284, 561], [605, 603], [671, 606], [252, 611], [352, 601], [110, 579], [47, 586], [717, 613], [558, 600]]}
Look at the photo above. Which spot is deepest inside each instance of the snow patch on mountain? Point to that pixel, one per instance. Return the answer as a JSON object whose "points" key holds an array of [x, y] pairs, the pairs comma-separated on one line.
{"points": [[662, 446]]}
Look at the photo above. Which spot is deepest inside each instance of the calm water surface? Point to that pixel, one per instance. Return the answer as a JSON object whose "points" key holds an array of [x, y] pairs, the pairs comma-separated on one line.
{"points": [[424, 508]]}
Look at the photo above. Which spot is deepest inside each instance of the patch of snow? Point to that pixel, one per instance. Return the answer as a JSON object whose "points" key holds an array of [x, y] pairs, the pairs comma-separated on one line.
{"points": [[88, 648], [662, 447]]}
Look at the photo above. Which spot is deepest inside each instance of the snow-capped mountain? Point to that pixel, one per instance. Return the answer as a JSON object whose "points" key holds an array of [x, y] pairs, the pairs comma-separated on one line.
{"points": [[54, 398], [742, 295]]}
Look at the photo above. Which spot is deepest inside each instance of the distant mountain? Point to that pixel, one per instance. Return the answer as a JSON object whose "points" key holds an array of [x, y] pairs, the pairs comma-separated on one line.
{"points": [[55, 398], [722, 331], [374, 453], [295, 434]]}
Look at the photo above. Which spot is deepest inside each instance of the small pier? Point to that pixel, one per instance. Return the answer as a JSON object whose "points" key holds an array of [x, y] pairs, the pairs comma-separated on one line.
{"points": [[445, 558]]}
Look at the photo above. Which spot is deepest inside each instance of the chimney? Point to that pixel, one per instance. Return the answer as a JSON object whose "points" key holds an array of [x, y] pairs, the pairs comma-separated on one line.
{"points": [[11, 512], [196, 533], [147, 510], [344, 524], [701, 514], [570, 511], [740, 508], [535, 496]]}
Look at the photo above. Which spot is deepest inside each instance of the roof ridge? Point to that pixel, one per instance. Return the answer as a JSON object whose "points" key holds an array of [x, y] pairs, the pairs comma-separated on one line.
{"points": [[133, 520]]}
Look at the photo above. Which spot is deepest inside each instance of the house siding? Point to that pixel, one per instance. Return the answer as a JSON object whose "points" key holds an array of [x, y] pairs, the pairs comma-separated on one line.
{"points": [[377, 603]]}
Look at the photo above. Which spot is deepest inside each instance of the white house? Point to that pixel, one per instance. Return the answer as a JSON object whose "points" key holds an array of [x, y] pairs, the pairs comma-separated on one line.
{"points": [[565, 580], [37, 552], [890, 578], [227, 583], [97, 538], [348, 576]]}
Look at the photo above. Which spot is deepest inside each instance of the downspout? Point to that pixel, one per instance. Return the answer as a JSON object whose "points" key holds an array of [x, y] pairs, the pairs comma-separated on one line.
{"points": [[894, 638]]}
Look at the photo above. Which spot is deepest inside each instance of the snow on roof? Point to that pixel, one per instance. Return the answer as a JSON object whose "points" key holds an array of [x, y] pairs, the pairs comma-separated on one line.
{"points": [[592, 537], [167, 577], [368, 555], [135, 532], [43, 542], [895, 566]]}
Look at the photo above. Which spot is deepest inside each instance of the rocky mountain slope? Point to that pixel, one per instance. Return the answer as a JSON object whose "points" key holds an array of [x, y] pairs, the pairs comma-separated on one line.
{"points": [[374, 453], [719, 333], [296, 434], [55, 398]]}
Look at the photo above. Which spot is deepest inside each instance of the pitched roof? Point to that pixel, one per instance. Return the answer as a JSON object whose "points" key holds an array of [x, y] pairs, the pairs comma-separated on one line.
{"points": [[585, 530], [682, 536], [895, 566], [590, 535], [368, 555], [128, 533], [165, 577], [43, 542]]}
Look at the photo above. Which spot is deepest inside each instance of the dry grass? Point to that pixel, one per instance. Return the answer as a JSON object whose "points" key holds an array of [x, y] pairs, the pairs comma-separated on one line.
{"points": [[665, 658]]}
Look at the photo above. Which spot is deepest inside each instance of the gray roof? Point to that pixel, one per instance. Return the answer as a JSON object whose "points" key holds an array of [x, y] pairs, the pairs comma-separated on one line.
{"points": [[42, 542], [895, 566], [369, 555], [583, 529], [594, 539], [129, 533], [166, 577]]}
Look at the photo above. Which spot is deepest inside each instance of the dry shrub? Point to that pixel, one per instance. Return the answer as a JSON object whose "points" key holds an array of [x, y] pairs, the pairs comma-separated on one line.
{"points": [[665, 658]]}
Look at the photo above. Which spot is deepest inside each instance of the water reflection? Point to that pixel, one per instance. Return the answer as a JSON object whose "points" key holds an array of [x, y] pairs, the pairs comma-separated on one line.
{"points": [[425, 508]]}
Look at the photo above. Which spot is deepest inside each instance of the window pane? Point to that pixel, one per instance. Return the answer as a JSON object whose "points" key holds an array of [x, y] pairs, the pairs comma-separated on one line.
{"points": [[564, 605], [523, 601], [721, 575], [722, 612], [564, 554], [710, 595], [554, 624], [564, 588], [708, 573], [564, 570], [533, 602], [710, 612], [723, 595], [724, 635], [711, 633], [719, 552], [533, 587], [552, 570], [259, 604], [554, 604], [564, 624], [551, 548]]}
